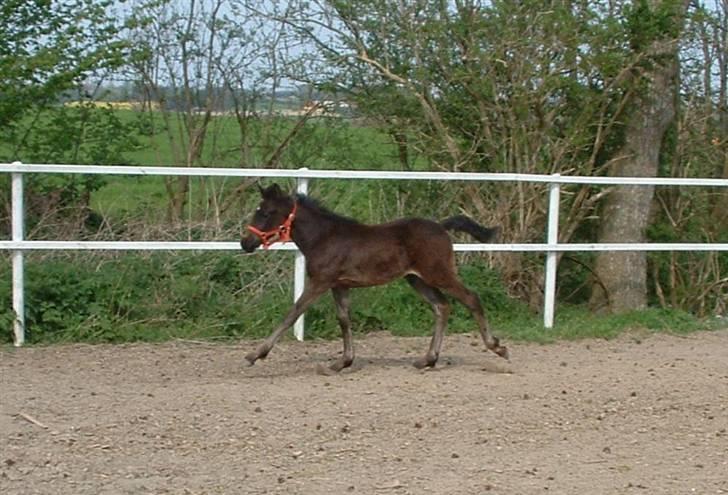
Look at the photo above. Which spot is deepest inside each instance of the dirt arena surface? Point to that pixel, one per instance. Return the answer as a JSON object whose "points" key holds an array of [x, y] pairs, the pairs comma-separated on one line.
{"points": [[643, 414]]}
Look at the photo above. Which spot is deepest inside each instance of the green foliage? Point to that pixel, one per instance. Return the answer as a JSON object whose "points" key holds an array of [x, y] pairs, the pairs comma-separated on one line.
{"points": [[84, 133], [153, 297], [226, 295], [79, 134], [576, 322], [48, 48], [647, 22]]}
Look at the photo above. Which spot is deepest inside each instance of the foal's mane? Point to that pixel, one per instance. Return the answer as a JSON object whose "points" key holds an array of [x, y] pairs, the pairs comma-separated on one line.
{"points": [[316, 206]]}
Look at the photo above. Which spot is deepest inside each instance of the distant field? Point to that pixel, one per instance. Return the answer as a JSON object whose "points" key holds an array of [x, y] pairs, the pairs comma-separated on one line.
{"points": [[322, 143], [159, 140]]}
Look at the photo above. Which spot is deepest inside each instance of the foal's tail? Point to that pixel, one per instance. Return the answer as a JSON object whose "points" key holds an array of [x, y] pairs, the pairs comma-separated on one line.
{"points": [[465, 224]]}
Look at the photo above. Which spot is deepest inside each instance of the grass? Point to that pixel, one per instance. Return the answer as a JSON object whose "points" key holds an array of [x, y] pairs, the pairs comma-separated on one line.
{"points": [[321, 144], [576, 322], [155, 297], [151, 140], [318, 144]]}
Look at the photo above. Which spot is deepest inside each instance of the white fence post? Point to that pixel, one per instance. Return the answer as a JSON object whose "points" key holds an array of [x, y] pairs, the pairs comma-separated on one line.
{"points": [[551, 256], [18, 275], [300, 266]]}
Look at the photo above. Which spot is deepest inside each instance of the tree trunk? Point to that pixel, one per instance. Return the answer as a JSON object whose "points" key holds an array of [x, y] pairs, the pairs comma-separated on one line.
{"points": [[720, 212], [625, 216], [177, 190]]}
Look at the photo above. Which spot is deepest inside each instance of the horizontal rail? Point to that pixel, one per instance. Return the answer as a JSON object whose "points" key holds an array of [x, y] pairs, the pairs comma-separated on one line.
{"points": [[289, 246], [18, 245], [356, 174]]}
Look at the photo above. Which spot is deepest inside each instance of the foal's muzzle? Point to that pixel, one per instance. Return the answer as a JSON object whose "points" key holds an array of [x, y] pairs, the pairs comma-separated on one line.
{"points": [[249, 243]]}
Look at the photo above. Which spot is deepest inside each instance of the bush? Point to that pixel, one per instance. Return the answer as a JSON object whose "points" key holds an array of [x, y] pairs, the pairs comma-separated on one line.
{"points": [[121, 298], [99, 298]]}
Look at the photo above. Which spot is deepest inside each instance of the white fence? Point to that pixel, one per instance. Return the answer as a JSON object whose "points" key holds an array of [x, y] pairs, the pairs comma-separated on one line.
{"points": [[18, 245]]}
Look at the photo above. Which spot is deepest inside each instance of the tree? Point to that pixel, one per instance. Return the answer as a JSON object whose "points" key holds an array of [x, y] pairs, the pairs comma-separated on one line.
{"points": [[48, 48], [483, 86], [51, 51], [654, 28], [584, 88], [696, 146], [196, 61]]}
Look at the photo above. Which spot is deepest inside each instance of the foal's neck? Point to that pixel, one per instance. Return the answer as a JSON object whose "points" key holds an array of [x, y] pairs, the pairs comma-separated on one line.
{"points": [[309, 228]]}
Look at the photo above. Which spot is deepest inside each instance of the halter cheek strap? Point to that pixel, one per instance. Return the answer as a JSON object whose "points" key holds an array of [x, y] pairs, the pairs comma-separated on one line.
{"points": [[282, 233]]}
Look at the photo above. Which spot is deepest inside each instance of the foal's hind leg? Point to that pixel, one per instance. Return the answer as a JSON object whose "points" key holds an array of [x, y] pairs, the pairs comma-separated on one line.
{"points": [[341, 298], [311, 292], [441, 308], [471, 300]]}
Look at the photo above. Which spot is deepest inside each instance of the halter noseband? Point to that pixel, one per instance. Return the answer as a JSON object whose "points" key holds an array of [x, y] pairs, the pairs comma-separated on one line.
{"points": [[283, 231]]}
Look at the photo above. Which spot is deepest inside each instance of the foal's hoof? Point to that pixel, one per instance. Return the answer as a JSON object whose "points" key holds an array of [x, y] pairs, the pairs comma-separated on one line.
{"points": [[251, 358], [502, 351], [423, 363], [334, 368], [259, 353], [340, 364], [325, 370]]}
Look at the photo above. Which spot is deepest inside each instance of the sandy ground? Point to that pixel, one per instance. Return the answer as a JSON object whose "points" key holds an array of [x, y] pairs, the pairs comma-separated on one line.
{"points": [[641, 414]]}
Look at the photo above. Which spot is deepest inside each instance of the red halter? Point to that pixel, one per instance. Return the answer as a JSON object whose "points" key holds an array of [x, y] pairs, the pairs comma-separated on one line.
{"points": [[283, 231]]}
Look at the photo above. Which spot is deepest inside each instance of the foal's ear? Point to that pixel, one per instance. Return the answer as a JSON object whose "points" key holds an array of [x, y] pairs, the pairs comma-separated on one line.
{"points": [[271, 192]]}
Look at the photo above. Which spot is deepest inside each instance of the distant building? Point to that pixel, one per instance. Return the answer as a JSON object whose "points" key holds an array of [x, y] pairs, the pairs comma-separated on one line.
{"points": [[116, 105]]}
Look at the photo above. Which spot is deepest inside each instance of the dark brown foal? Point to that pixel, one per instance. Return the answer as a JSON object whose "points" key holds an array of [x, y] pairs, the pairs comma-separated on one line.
{"points": [[342, 253]]}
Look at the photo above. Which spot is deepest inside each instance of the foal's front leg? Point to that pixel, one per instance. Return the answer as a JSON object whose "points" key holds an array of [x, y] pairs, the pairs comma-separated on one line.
{"points": [[311, 292]]}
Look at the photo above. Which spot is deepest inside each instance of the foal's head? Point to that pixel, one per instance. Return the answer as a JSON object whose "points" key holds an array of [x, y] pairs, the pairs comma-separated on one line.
{"points": [[271, 214]]}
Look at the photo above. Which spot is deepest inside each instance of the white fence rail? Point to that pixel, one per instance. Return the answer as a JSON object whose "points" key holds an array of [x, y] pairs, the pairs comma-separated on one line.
{"points": [[18, 245]]}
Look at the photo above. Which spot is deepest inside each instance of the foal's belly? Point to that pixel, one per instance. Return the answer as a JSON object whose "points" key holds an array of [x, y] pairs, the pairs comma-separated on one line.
{"points": [[368, 279], [373, 271]]}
